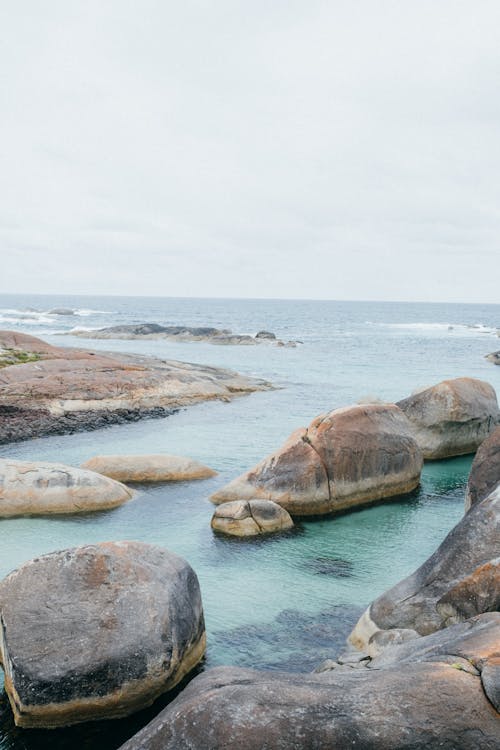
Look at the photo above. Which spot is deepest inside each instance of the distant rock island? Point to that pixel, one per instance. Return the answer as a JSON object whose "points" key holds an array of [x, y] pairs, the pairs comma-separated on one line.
{"points": [[183, 333], [46, 390]]}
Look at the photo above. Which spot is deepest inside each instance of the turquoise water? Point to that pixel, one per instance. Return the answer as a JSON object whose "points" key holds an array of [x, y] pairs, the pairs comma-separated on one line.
{"points": [[285, 602]]}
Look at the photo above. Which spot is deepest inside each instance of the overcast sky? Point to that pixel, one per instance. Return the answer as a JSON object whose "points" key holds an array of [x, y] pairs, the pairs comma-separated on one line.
{"points": [[272, 148]]}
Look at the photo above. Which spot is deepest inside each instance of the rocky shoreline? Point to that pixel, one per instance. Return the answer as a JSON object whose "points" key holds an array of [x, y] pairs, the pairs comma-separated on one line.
{"points": [[51, 390]]}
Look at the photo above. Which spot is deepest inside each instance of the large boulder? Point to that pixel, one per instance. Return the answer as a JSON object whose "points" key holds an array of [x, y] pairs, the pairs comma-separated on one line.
{"points": [[97, 632], [461, 579], [29, 488], [250, 518], [348, 457], [442, 696], [151, 468], [452, 418], [484, 476]]}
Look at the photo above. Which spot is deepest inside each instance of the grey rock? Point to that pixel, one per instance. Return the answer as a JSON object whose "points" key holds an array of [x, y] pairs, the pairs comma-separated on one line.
{"points": [[485, 471]]}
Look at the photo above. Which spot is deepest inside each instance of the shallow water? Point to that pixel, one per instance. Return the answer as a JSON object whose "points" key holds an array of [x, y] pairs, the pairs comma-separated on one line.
{"points": [[286, 602]]}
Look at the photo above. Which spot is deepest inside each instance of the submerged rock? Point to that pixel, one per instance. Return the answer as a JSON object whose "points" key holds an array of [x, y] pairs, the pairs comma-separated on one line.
{"points": [[250, 518], [98, 631], [151, 468], [29, 488], [420, 700], [346, 458], [452, 418], [485, 471], [461, 579], [494, 357]]}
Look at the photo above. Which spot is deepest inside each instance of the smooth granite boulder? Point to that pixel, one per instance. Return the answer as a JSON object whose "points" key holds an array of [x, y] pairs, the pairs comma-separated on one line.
{"points": [[29, 488], [151, 468], [452, 418], [461, 579], [97, 632], [432, 700], [250, 518], [484, 475], [348, 457]]}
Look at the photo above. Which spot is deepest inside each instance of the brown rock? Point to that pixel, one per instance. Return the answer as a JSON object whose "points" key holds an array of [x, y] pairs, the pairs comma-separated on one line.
{"points": [[246, 518], [485, 471], [452, 418], [151, 468]]}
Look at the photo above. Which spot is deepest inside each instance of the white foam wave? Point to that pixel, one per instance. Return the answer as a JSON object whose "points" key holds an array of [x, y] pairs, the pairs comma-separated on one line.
{"points": [[457, 328]]}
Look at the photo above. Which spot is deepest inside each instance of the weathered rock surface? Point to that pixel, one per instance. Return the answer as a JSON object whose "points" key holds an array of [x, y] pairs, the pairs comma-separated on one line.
{"points": [[151, 468], [98, 631], [494, 357], [423, 700], [461, 579], [484, 476], [349, 457], [68, 390], [452, 418], [250, 518], [28, 488], [181, 333]]}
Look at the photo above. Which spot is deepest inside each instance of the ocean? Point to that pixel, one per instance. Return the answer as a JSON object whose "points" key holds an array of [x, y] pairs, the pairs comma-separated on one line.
{"points": [[285, 602]]}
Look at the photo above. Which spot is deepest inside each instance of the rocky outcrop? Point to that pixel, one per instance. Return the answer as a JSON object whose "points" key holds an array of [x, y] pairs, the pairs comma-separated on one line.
{"points": [[452, 418], [494, 357], [434, 692], [151, 468], [246, 518], [461, 579], [28, 488], [346, 458], [97, 632], [484, 476], [68, 390], [182, 333]]}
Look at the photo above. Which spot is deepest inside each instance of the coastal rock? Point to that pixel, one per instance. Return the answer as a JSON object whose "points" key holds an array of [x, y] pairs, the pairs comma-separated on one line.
{"points": [[452, 418], [484, 476], [28, 488], [182, 333], [419, 701], [67, 390], [494, 357], [265, 335], [348, 457], [250, 518], [61, 311], [98, 631], [461, 579], [151, 468]]}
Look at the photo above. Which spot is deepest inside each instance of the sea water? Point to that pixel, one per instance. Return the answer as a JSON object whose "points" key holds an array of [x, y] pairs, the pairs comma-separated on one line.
{"points": [[279, 603]]}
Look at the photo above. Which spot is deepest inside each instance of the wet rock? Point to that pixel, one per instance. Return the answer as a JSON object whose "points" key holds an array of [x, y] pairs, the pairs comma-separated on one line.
{"points": [[29, 488], [461, 579], [485, 471], [424, 705], [61, 311], [98, 631], [452, 418], [150, 468], [246, 518], [326, 666], [346, 458], [494, 357], [265, 335]]}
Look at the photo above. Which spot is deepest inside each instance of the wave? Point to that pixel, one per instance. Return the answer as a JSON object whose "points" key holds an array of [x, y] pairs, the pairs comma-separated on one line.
{"points": [[56, 315], [460, 328]]}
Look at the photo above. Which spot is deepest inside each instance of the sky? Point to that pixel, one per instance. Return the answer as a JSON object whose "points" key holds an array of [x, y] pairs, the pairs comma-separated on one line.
{"points": [[226, 148]]}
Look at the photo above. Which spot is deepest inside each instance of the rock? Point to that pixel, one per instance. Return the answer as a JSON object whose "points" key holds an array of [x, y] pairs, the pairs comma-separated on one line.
{"points": [[452, 418], [265, 335], [421, 703], [381, 639], [61, 311], [461, 579], [151, 468], [28, 488], [68, 390], [494, 357], [97, 632], [326, 666], [346, 458], [250, 518], [484, 475]]}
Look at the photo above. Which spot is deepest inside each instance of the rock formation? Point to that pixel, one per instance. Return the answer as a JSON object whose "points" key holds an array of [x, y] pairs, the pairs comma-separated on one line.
{"points": [[68, 390], [440, 691], [250, 518], [494, 357], [452, 418], [346, 458], [98, 631], [28, 488], [485, 471], [150, 468], [461, 579]]}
